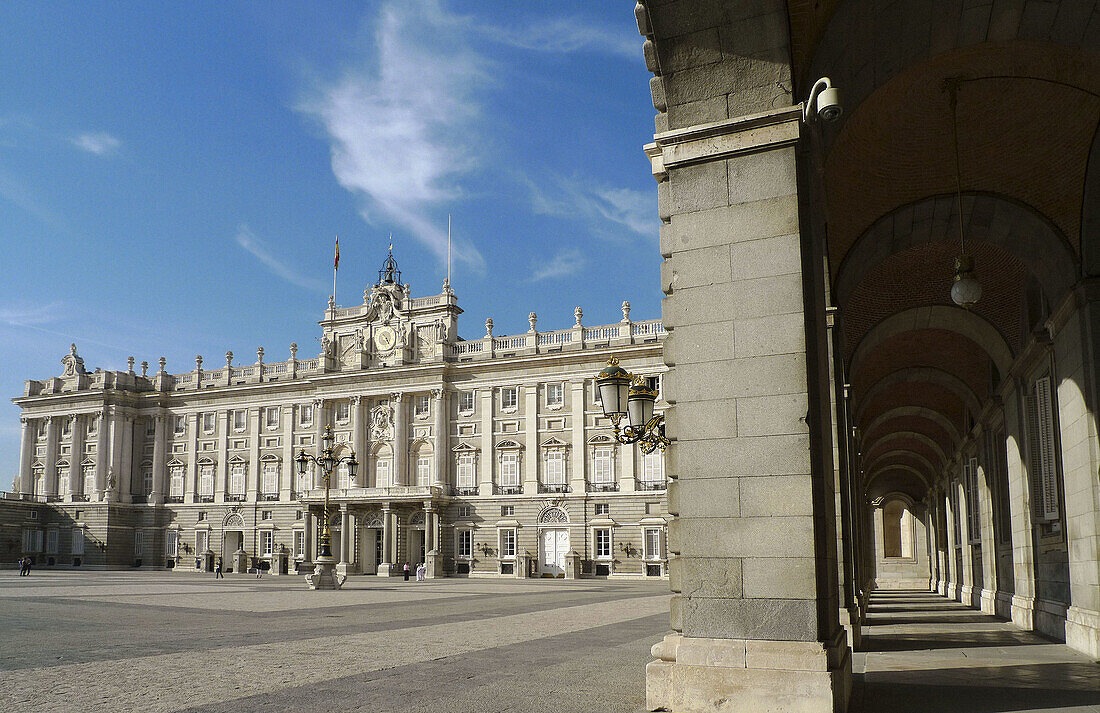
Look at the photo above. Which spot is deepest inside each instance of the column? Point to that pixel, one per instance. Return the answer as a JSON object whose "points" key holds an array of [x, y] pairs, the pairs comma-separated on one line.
{"points": [[76, 455], [954, 578], [114, 468], [1019, 493], [386, 565], [345, 540], [429, 527], [487, 458], [126, 472], [320, 420], [190, 455], [576, 453], [988, 594], [26, 454], [358, 439], [440, 476], [53, 433], [221, 471], [966, 590], [754, 607], [309, 534], [160, 459], [400, 441], [530, 457], [103, 455], [287, 471], [252, 487]]}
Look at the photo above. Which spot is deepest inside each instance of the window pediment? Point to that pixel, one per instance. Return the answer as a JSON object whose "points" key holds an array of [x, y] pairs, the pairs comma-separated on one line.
{"points": [[509, 445]]}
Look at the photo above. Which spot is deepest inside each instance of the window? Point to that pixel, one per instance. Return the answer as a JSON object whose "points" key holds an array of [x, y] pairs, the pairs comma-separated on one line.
{"points": [[382, 473], [32, 540], [464, 511], [208, 422], [306, 414], [466, 402], [88, 472], [423, 470], [271, 478], [305, 480], [271, 416], [181, 425], [509, 469], [596, 395], [653, 468], [973, 525], [240, 420], [236, 478], [78, 541], [508, 543], [299, 543], [175, 481], [147, 480], [603, 471], [554, 395], [466, 472], [267, 543], [652, 544], [139, 543], [603, 508], [507, 510], [1042, 443], [422, 405], [62, 480], [206, 480], [202, 540], [602, 537], [343, 477], [171, 543], [51, 542], [343, 412], [42, 426], [465, 545], [555, 467], [66, 427], [39, 481], [897, 530], [266, 514], [509, 397]]}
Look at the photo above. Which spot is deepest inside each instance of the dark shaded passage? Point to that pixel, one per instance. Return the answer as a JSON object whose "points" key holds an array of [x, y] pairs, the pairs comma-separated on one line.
{"points": [[922, 652]]}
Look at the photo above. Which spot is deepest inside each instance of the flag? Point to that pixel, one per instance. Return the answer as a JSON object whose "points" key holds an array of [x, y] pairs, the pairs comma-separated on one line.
{"points": [[336, 262]]}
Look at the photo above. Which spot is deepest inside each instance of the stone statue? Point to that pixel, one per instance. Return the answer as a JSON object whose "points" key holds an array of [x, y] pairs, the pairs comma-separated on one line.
{"points": [[72, 362]]}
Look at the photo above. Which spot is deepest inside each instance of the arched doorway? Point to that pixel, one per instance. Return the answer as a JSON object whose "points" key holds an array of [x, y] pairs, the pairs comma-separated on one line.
{"points": [[553, 533]]}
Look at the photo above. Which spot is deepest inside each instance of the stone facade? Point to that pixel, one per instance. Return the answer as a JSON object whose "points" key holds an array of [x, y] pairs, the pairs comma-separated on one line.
{"points": [[488, 456]]}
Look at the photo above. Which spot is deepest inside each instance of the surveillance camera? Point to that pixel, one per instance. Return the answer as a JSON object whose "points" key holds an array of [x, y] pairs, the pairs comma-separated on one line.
{"points": [[828, 104], [824, 101]]}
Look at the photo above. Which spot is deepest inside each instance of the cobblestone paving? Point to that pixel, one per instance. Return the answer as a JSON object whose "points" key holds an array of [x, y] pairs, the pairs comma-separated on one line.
{"points": [[174, 642]]}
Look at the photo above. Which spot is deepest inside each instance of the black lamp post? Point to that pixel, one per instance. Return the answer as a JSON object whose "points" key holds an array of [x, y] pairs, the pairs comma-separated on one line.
{"points": [[623, 395], [327, 462]]}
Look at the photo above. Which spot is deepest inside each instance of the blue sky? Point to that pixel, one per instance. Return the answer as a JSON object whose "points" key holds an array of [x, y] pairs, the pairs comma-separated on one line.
{"points": [[172, 176]]}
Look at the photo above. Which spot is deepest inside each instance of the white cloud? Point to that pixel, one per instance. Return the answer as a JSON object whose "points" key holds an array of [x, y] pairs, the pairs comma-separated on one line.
{"points": [[248, 240], [571, 34], [603, 209], [568, 262], [99, 143], [30, 316], [400, 130]]}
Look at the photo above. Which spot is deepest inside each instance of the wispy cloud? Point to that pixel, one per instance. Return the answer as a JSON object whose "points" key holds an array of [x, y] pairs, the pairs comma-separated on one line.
{"points": [[98, 143], [605, 210], [567, 262], [570, 34], [19, 194], [399, 130], [248, 240], [31, 315]]}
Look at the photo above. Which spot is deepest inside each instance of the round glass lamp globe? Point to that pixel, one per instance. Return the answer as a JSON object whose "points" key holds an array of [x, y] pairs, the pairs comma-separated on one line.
{"points": [[966, 291]]}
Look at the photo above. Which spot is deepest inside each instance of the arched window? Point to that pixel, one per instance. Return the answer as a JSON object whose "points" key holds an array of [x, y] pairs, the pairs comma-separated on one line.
{"points": [[897, 530]]}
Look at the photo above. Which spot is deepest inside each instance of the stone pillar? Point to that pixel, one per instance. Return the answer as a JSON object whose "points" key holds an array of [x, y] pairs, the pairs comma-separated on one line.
{"points": [[345, 539], [221, 470], [53, 436], [358, 439], [529, 461], [954, 573], [575, 474], [103, 455], [76, 455], [26, 454], [309, 535], [1019, 493], [487, 457], [160, 459], [385, 567], [754, 605], [988, 594], [400, 441], [288, 471], [440, 477], [966, 580], [116, 425], [255, 426]]}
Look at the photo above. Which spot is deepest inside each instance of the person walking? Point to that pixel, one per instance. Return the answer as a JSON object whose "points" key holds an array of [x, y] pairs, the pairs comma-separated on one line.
{"points": [[26, 566], [22, 566], [421, 572], [406, 571], [218, 569]]}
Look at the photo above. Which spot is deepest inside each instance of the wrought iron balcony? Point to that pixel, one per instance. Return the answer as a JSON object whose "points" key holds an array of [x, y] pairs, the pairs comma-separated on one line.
{"points": [[269, 497], [464, 492], [174, 499], [603, 487], [554, 488], [80, 498], [204, 499], [507, 490], [235, 498], [139, 499], [651, 484]]}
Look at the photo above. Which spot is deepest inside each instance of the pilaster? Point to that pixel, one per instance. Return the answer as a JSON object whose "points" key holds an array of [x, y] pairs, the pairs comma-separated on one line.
{"points": [[53, 433], [255, 425], [576, 452], [530, 459], [76, 456], [440, 431], [400, 440], [26, 454], [358, 438], [160, 458]]}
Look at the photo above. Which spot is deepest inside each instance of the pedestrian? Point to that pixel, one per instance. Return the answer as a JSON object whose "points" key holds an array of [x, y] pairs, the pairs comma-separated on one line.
{"points": [[27, 567], [421, 572], [406, 571], [22, 566], [259, 571], [218, 569]]}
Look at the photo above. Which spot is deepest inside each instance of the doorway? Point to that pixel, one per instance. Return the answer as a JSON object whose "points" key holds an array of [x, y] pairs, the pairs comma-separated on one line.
{"points": [[553, 546], [415, 547], [371, 550]]}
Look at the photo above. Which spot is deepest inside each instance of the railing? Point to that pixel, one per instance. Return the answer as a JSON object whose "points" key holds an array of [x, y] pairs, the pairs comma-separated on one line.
{"points": [[601, 333], [509, 342], [139, 499], [174, 499], [204, 499], [463, 492], [647, 329], [269, 497], [474, 347], [650, 484], [235, 498], [421, 302], [507, 489], [554, 488], [603, 487], [562, 336], [310, 364]]}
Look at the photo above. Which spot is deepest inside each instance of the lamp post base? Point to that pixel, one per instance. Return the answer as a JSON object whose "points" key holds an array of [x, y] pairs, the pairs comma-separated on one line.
{"points": [[324, 574]]}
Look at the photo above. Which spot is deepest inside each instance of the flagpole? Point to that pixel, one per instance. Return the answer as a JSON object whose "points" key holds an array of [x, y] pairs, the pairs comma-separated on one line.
{"points": [[335, 268], [449, 250]]}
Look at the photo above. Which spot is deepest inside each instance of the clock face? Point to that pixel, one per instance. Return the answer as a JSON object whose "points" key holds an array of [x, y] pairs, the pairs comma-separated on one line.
{"points": [[384, 338]]}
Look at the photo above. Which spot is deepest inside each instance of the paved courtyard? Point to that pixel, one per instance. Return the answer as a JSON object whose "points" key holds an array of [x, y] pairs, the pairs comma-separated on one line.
{"points": [[117, 641]]}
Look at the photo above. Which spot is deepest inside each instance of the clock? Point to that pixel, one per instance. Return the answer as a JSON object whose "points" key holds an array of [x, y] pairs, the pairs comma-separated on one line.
{"points": [[384, 338]]}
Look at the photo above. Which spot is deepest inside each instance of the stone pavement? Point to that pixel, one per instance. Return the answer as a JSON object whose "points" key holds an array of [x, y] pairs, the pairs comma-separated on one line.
{"points": [[922, 652], [118, 641]]}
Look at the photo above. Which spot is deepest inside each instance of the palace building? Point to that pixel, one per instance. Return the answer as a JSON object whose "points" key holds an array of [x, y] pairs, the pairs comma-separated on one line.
{"points": [[486, 456]]}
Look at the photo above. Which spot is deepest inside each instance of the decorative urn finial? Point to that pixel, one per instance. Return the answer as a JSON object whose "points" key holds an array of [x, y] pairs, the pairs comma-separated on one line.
{"points": [[489, 327], [578, 313], [532, 319]]}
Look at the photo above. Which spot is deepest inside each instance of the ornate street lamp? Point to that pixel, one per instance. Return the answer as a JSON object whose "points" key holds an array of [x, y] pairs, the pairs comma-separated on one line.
{"points": [[323, 576], [623, 395]]}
